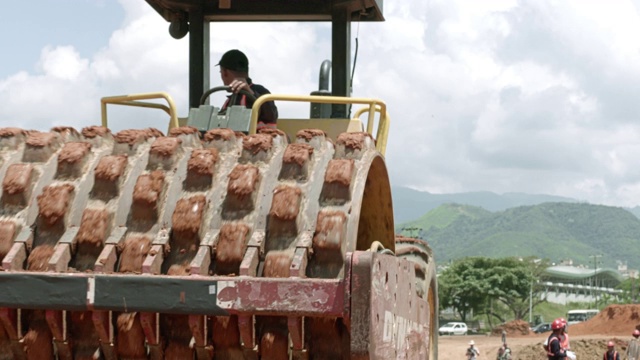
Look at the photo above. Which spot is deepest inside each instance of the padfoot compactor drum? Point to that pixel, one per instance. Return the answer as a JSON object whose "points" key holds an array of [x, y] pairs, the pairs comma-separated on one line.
{"points": [[213, 241]]}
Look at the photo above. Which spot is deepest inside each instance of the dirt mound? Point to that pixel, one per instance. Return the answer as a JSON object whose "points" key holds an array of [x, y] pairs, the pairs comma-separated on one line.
{"points": [[612, 320], [515, 327], [584, 349]]}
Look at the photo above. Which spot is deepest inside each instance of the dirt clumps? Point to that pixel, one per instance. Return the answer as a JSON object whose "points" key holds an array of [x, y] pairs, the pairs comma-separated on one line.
{"points": [[38, 340], [91, 132], [309, 134], [286, 203], [277, 264], [297, 154], [613, 320], [272, 132], [232, 244], [10, 132], [274, 345], [130, 338], [202, 161], [187, 216], [515, 327], [54, 202], [17, 178], [111, 167], [132, 136], [7, 233], [330, 230], [183, 130], [39, 257], [165, 146], [243, 180], [219, 134], [340, 171], [257, 143], [355, 141], [41, 139], [94, 227], [73, 152], [148, 189], [134, 250]]}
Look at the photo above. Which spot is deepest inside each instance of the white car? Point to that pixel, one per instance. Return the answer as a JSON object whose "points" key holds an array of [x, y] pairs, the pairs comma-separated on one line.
{"points": [[453, 328]]}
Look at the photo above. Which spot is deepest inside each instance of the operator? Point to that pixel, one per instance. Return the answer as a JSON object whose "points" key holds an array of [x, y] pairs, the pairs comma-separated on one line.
{"points": [[472, 351], [565, 335], [554, 342], [611, 353], [234, 72]]}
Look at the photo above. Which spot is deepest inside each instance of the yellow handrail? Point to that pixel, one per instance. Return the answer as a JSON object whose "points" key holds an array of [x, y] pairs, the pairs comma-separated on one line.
{"points": [[374, 105], [381, 143], [132, 100]]}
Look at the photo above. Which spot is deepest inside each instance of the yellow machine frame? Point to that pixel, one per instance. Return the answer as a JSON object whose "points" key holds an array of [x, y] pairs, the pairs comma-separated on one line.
{"points": [[333, 127]]}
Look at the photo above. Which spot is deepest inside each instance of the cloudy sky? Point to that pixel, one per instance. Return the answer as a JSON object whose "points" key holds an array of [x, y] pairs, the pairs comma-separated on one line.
{"points": [[498, 95]]}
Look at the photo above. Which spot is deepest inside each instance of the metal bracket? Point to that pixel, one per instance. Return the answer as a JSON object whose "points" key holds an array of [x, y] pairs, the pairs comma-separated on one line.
{"points": [[57, 321], [103, 322]]}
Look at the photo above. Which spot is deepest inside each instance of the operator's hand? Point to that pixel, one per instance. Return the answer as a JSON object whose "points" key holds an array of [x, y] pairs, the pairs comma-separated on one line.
{"points": [[240, 84]]}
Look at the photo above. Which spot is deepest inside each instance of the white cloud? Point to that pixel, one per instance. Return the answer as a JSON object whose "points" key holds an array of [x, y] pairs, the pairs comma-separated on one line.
{"points": [[502, 95]]}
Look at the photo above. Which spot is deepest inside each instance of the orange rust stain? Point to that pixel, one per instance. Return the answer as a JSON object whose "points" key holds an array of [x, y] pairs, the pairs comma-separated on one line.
{"points": [[187, 217], [111, 167], [330, 230], [54, 202], [202, 161], [340, 171], [148, 188], [309, 134], [93, 227], [17, 178], [243, 180], [286, 203], [219, 134], [73, 152], [257, 143], [134, 250], [39, 258], [297, 154], [91, 132], [165, 146]]}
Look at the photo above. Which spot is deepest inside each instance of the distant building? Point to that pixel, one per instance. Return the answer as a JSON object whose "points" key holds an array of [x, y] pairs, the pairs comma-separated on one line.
{"points": [[563, 284]]}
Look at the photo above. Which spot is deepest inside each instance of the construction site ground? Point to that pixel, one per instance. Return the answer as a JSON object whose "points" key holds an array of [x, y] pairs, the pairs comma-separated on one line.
{"points": [[588, 339]]}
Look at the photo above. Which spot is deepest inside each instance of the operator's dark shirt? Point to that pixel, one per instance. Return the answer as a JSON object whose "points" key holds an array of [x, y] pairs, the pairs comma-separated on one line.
{"points": [[611, 355], [268, 111], [555, 348]]}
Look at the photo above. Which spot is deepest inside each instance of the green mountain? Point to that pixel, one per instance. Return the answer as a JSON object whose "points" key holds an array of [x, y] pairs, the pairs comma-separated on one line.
{"points": [[409, 204], [554, 231]]}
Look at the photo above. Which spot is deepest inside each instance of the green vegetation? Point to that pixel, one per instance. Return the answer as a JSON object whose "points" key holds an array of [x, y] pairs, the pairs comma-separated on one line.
{"points": [[493, 287], [553, 231]]}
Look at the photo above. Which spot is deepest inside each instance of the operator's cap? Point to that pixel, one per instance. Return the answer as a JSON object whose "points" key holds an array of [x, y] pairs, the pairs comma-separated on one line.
{"points": [[472, 342], [611, 344], [234, 60]]}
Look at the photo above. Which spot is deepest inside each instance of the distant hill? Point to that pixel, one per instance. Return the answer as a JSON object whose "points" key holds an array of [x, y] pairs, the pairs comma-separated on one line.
{"points": [[554, 231], [409, 204]]}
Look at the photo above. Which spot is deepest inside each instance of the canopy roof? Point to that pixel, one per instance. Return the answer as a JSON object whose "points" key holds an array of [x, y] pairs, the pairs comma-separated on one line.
{"points": [[269, 10]]}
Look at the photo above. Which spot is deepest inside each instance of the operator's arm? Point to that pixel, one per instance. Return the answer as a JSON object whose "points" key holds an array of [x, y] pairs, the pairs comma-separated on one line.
{"points": [[268, 111]]}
